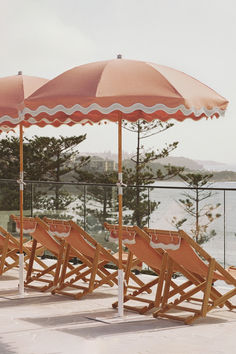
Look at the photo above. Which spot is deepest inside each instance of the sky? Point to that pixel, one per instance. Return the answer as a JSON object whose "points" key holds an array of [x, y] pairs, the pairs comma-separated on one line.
{"points": [[47, 37]]}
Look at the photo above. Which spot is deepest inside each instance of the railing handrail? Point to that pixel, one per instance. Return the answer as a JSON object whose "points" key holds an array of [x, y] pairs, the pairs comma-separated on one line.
{"points": [[114, 185]]}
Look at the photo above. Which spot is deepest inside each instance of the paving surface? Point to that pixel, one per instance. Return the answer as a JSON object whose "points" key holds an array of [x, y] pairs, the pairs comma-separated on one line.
{"points": [[41, 323]]}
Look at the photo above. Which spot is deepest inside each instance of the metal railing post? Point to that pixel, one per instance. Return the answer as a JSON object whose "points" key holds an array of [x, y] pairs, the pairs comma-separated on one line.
{"points": [[148, 206], [31, 199], [224, 230], [85, 190]]}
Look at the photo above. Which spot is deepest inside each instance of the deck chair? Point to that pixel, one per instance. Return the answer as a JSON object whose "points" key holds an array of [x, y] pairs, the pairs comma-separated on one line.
{"points": [[138, 243], [202, 271], [93, 257], [39, 272], [9, 251]]}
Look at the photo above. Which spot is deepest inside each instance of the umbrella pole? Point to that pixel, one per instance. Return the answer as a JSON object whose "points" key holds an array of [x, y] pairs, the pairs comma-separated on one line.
{"points": [[120, 193], [21, 183]]}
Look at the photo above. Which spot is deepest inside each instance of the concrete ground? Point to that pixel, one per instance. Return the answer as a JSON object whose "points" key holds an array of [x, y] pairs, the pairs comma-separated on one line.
{"points": [[41, 323]]}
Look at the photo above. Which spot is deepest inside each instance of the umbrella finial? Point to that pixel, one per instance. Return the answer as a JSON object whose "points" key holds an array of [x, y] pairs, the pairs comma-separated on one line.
{"points": [[20, 72], [119, 56]]}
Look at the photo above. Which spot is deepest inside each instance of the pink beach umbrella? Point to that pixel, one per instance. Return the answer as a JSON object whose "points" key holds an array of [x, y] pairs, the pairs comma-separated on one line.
{"points": [[117, 90], [13, 91]]}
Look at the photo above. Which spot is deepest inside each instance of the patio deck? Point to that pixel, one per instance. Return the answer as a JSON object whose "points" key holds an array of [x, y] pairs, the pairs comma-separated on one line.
{"points": [[41, 323]]}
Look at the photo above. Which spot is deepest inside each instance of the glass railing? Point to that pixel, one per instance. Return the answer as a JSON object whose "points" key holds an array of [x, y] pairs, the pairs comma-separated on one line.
{"points": [[159, 207]]}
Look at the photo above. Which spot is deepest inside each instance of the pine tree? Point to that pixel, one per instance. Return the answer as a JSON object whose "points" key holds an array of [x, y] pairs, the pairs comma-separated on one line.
{"points": [[142, 174], [203, 214], [102, 197], [54, 158], [45, 159]]}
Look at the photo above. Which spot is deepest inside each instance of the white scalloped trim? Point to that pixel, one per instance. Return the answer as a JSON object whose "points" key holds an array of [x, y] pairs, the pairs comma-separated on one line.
{"points": [[129, 242], [105, 110], [58, 234], [12, 120], [125, 241], [6, 129], [170, 246], [67, 121], [123, 109], [26, 231]]}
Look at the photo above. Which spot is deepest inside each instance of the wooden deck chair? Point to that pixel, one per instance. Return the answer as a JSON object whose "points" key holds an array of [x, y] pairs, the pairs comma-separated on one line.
{"points": [[202, 271], [9, 251], [39, 272], [93, 257], [138, 243]]}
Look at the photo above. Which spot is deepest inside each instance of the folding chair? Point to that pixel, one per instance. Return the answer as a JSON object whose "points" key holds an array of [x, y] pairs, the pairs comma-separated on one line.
{"points": [[200, 269], [93, 257], [9, 251], [138, 243], [39, 272]]}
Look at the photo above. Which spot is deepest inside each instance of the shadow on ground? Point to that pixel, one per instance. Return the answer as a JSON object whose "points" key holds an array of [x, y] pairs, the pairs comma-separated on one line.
{"points": [[6, 349], [6, 277], [103, 330], [89, 325], [9, 298], [58, 321]]}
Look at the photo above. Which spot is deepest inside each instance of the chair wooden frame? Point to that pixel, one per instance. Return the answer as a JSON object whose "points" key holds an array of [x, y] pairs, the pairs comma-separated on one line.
{"points": [[94, 257], [10, 247], [202, 271]]}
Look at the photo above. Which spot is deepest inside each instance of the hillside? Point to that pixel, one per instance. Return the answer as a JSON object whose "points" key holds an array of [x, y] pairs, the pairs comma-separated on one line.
{"points": [[181, 161], [221, 171]]}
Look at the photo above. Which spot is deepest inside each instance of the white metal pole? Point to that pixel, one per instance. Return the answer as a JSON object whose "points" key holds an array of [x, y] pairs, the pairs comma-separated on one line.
{"points": [[21, 183], [120, 193]]}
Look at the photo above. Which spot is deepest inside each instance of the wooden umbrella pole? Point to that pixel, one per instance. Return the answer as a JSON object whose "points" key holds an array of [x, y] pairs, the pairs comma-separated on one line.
{"points": [[120, 193], [21, 184]]}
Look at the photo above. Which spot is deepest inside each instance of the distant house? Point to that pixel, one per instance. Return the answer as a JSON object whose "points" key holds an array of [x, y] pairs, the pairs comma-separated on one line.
{"points": [[110, 165], [99, 164]]}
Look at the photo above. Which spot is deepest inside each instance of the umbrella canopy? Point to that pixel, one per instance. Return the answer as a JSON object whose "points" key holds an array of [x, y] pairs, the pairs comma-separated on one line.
{"points": [[139, 90], [121, 89], [13, 92]]}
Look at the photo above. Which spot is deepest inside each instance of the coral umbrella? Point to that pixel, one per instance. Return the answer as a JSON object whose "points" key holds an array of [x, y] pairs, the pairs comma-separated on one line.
{"points": [[13, 91], [117, 90]]}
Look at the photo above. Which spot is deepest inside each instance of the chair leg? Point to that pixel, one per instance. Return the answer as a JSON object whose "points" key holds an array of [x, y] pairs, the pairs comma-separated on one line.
{"points": [[128, 271], [4, 253], [94, 269], [161, 280], [64, 267], [31, 261], [59, 264], [207, 292], [167, 281]]}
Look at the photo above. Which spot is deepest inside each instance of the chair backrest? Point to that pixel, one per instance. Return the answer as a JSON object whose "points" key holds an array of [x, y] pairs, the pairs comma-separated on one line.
{"points": [[12, 242], [39, 231], [77, 237], [179, 247], [138, 243]]}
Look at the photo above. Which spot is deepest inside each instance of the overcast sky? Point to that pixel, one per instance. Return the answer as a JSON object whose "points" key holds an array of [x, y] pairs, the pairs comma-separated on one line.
{"points": [[46, 37]]}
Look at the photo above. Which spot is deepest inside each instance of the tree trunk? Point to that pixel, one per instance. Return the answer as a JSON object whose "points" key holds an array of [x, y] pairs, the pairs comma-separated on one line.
{"points": [[104, 214], [57, 180]]}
